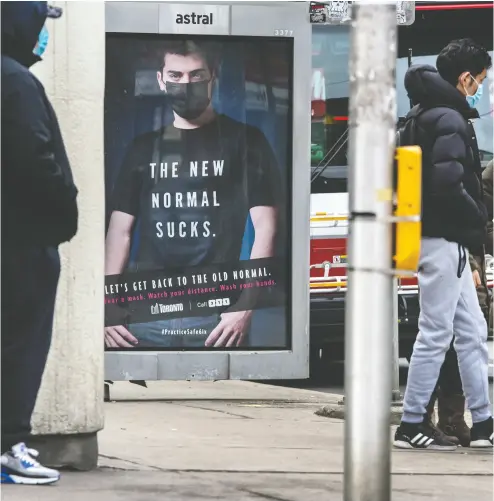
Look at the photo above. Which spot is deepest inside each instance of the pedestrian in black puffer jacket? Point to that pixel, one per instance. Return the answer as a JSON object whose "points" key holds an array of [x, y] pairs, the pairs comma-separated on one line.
{"points": [[39, 206], [452, 206], [454, 222], [39, 212]]}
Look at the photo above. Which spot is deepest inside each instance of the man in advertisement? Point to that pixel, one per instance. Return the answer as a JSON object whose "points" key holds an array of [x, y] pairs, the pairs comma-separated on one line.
{"points": [[190, 187]]}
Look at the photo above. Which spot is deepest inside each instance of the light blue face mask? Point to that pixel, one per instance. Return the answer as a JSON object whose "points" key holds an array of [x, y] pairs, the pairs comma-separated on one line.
{"points": [[474, 100], [40, 48]]}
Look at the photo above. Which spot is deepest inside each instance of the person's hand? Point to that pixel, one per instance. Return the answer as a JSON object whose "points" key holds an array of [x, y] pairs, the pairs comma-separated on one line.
{"points": [[231, 330], [118, 336], [476, 279]]}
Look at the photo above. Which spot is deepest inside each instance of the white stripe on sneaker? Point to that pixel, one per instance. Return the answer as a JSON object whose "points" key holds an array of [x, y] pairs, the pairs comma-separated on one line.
{"points": [[20, 479], [416, 438], [429, 442], [422, 440]]}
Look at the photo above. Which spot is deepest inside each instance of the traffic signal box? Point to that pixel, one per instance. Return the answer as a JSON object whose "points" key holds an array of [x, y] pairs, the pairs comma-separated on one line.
{"points": [[407, 208]]}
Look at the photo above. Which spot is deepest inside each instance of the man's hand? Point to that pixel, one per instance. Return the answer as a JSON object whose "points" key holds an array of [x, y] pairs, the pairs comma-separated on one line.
{"points": [[476, 279], [231, 330], [119, 337]]}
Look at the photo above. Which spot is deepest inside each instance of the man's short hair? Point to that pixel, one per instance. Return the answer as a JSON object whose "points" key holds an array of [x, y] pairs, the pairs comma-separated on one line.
{"points": [[209, 51], [460, 56]]}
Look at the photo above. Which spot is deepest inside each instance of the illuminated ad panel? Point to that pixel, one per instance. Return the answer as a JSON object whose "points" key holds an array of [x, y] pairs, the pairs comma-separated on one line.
{"points": [[198, 135]]}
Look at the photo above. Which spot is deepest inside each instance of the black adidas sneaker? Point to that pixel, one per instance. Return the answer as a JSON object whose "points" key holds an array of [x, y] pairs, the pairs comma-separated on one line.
{"points": [[481, 434], [421, 436]]}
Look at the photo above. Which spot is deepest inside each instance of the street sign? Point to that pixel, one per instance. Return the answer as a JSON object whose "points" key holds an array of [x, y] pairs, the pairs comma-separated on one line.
{"points": [[338, 12]]}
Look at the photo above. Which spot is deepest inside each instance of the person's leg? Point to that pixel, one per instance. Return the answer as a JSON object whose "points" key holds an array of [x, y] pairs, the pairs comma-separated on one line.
{"points": [[491, 321], [29, 285], [483, 293], [439, 292], [449, 378], [470, 329], [430, 414], [451, 402], [483, 297]]}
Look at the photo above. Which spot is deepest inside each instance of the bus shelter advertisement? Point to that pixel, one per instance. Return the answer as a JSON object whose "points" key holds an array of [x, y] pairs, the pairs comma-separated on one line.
{"points": [[198, 163]]}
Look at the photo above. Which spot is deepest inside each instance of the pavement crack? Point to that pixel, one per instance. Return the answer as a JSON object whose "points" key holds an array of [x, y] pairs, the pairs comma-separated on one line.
{"points": [[263, 495], [116, 468], [242, 416], [139, 466], [276, 472]]}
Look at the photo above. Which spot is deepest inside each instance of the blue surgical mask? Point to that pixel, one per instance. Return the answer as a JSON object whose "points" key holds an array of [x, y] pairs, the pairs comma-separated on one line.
{"points": [[40, 48], [474, 100]]}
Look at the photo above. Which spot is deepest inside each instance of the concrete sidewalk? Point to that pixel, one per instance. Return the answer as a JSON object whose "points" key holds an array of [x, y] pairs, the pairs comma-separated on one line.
{"points": [[241, 441]]}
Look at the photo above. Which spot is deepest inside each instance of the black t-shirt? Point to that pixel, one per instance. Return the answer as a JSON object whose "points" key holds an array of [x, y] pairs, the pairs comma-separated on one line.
{"points": [[191, 191]]}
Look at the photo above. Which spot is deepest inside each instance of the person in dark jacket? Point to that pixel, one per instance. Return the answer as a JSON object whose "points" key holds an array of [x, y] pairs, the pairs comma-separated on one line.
{"points": [[477, 261], [454, 222], [39, 212], [487, 181]]}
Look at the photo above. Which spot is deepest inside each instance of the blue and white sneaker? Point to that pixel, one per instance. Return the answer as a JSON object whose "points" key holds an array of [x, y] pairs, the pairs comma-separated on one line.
{"points": [[19, 466]]}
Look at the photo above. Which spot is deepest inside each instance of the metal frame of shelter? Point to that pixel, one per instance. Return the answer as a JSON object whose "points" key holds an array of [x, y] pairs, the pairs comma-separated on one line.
{"points": [[252, 19]]}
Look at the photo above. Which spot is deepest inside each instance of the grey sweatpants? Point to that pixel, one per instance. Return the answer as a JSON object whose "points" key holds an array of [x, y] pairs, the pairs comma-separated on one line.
{"points": [[448, 307]]}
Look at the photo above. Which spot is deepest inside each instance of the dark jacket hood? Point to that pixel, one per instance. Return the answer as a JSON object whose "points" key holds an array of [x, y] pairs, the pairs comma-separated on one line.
{"points": [[21, 25], [427, 88]]}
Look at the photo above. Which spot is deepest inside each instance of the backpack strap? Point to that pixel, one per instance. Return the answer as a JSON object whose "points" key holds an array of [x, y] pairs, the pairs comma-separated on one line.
{"points": [[408, 125]]}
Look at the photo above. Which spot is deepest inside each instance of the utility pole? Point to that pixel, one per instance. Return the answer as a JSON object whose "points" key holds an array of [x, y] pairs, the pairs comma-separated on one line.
{"points": [[369, 316]]}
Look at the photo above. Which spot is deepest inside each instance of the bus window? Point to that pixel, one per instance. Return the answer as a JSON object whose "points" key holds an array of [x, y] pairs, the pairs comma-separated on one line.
{"points": [[329, 122]]}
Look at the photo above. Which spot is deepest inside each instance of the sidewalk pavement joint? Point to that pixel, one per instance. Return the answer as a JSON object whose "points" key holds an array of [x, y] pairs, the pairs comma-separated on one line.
{"points": [[193, 442]]}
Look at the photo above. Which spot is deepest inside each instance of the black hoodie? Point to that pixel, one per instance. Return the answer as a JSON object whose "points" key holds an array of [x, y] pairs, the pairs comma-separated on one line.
{"points": [[452, 206], [38, 193]]}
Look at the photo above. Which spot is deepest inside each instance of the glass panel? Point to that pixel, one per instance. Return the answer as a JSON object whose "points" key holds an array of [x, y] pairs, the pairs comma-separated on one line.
{"points": [[330, 90], [198, 164]]}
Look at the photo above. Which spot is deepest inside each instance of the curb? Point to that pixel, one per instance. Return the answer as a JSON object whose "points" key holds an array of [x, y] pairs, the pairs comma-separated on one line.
{"points": [[338, 412]]}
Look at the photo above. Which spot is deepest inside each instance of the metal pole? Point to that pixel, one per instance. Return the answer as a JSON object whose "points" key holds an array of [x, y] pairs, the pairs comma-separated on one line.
{"points": [[368, 319], [395, 393]]}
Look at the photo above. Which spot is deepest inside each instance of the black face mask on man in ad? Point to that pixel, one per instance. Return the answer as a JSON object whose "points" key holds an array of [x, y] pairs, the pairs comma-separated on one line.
{"points": [[188, 100]]}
